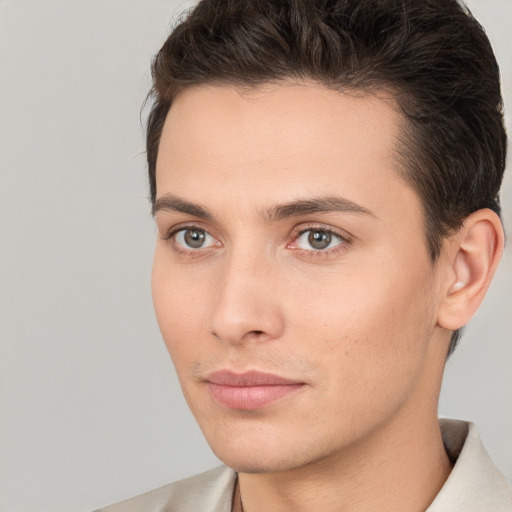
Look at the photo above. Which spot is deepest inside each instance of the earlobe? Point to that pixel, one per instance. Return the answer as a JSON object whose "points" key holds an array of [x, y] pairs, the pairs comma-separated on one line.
{"points": [[473, 256]]}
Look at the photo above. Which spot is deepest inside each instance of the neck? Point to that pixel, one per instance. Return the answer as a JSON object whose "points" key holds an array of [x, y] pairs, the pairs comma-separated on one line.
{"points": [[402, 467]]}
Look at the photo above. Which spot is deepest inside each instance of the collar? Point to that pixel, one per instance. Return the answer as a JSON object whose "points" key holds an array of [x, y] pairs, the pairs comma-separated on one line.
{"points": [[475, 484]]}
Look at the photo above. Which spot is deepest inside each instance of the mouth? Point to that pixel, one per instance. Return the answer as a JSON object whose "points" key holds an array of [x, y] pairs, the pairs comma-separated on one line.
{"points": [[250, 390]]}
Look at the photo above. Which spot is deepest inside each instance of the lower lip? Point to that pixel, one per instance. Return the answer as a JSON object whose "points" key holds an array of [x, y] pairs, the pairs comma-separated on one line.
{"points": [[250, 397]]}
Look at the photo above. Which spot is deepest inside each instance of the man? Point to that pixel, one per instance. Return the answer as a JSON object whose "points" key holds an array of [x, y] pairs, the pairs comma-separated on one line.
{"points": [[325, 181]]}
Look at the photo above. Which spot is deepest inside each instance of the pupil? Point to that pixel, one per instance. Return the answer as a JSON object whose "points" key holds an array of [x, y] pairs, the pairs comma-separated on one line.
{"points": [[194, 238], [319, 239]]}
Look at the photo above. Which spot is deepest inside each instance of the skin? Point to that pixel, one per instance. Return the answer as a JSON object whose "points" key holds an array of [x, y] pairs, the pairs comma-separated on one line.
{"points": [[364, 324]]}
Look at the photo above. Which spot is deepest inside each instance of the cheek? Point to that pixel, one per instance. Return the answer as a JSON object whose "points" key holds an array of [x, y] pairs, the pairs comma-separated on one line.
{"points": [[355, 319], [362, 322], [369, 348], [179, 308]]}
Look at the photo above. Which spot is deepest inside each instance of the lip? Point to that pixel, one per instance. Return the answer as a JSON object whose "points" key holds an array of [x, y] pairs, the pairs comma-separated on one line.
{"points": [[249, 390]]}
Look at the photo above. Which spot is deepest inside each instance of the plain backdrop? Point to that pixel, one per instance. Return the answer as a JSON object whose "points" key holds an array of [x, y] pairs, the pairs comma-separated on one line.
{"points": [[90, 409]]}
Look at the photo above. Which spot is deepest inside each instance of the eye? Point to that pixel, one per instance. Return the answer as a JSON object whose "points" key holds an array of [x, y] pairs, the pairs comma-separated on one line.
{"points": [[318, 240], [193, 238]]}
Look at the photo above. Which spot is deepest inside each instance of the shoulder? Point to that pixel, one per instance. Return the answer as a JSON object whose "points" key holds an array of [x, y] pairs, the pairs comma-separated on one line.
{"points": [[212, 491]]}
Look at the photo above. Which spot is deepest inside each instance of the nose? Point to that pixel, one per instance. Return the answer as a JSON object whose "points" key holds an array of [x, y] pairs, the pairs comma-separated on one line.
{"points": [[247, 306]]}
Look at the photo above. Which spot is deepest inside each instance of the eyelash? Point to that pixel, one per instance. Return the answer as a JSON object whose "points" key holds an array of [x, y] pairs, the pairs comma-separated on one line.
{"points": [[170, 238], [345, 241]]}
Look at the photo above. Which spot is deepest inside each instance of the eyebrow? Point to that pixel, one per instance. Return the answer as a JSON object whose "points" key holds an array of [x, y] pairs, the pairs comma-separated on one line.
{"points": [[173, 203], [297, 208], [323, 204]]}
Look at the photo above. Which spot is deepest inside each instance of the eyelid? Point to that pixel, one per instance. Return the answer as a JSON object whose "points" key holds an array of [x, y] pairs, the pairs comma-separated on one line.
{"points": [[169, 232], [346, 239], [318, 226], [170, 237]]}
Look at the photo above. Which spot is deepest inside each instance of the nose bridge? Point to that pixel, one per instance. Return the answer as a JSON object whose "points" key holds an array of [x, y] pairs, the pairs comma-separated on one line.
{"points": [[247, 306]]}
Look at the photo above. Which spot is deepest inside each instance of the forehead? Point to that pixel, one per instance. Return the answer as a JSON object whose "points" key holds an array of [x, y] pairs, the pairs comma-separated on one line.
{"points": [[258, 115], [278, 139]]}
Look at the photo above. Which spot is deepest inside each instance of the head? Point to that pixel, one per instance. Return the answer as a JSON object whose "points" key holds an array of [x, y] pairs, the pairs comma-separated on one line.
{"points": [[432, 57], [281, 103]]}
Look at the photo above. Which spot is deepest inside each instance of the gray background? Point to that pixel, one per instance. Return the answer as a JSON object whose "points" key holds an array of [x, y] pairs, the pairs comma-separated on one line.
{"points": [[90, 410]]}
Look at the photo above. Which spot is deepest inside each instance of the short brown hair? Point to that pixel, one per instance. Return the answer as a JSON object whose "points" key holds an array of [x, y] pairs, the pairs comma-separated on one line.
{"points": [[432, 54]]}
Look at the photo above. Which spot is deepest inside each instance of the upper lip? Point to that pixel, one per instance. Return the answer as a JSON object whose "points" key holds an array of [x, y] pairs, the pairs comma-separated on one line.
{"points": [[249, 378]]}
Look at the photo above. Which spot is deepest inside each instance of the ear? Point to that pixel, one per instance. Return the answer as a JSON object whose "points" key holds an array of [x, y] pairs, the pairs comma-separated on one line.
{"points": [[471, 258]]}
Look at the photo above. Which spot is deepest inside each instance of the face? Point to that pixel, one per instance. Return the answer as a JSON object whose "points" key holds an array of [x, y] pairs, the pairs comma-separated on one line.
{"points": [[291, 279]]}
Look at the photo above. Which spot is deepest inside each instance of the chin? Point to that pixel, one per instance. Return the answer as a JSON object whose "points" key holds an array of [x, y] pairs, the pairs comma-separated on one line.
{"points": [[248, 454], [243, 463]]}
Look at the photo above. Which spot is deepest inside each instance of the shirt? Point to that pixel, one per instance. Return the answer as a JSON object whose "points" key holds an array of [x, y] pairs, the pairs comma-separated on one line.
{"points": [[474, 484]]}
